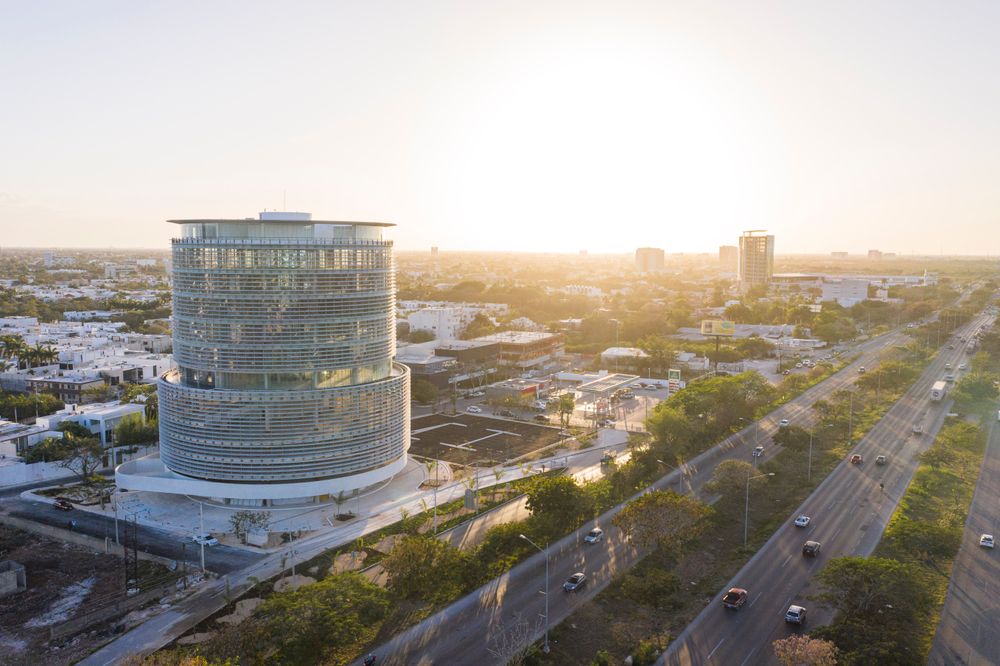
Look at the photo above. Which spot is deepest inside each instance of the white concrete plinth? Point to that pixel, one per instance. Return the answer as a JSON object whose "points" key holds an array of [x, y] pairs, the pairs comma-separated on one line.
{"points": [[150, 474]]}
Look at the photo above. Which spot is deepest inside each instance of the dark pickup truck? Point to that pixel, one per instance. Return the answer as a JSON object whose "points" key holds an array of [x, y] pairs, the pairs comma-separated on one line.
{"points": [[735, 598]]}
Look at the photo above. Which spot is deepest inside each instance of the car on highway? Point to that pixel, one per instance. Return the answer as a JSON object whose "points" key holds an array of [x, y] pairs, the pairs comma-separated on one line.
{"points": [[918, 429], [473, 409], [880, 460], [811, 548], [798, 365], [477, 394], [62, 504], [947, 366], [205, 540], [575, 582], [962, 366], [803, 521], [595, 535], [861, 370], [506, 412], [857, 459], [540, 418], [951, 346], [786, 372], [795, 615], [784, 423], [949, 377], [758, 452], [986, 541], [735, 597]]}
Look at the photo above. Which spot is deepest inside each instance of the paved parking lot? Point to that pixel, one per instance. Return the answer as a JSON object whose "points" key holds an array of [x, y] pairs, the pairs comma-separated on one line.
{"points": [[471, 439]]}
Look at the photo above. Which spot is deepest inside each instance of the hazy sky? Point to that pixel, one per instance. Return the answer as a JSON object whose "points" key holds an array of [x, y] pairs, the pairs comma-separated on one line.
{"points": [[510, 125]]}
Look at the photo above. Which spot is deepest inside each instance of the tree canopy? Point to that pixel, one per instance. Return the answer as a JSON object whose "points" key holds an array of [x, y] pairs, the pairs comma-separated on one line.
{"points": [[662, 518]]}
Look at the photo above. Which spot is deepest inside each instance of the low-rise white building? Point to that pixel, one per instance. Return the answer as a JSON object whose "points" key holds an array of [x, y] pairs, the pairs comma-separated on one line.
{"points": [[845, 292]]}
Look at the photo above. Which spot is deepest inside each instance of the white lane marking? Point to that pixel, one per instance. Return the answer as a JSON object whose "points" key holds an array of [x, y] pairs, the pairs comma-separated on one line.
{"points": [[755, 599], [714, 649], [743, 663], [787, 559]]}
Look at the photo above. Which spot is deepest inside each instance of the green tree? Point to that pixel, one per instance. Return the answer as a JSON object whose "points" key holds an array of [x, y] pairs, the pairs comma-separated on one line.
{"points": [[71, 429], [662, 518], [567, 403], [144, 394], [51, 449], [423, 391], [558, 503], [793, 438], [420, 335], [83, 456], [306, 624], [881, 603], [729, 479], [244, 521], [427, 569], [132, 430]]}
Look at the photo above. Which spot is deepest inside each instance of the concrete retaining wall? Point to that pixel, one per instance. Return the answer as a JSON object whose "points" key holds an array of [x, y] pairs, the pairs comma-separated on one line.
{"points": [[99, 545]]}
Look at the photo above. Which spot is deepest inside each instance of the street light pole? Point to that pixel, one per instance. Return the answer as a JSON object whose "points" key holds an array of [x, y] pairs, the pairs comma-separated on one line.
{"points": [[746, 510], [680, 478], [201, 533], [545, 552], [809, 473]]}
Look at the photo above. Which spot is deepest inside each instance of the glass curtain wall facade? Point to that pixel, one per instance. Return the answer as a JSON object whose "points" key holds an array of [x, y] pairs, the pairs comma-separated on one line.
{"points": [[284, 333]]}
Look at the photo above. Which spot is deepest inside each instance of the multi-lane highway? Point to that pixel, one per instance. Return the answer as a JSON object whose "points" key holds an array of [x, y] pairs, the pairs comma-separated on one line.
{"points": [[510, 609], [849, 512], [969, 631]]}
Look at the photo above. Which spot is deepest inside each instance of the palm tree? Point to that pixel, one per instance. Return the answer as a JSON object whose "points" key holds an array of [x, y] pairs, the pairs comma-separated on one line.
{"points": [[42, 354]]}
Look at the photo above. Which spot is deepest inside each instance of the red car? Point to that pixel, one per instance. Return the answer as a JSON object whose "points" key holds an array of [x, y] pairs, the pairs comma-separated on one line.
{"points": [[735, 598], [856, 459]]}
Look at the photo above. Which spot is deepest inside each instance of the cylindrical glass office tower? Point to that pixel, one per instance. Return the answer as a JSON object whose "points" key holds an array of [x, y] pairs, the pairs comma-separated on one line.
{"points": [[284, 333]]}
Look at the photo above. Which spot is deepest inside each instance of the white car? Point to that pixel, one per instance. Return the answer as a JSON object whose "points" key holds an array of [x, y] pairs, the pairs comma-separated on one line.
{"points": [[472, 409], [962, 366], [758, 452], [986, 541], [594, 536], [803, 521], [784, 423], [795, 615], [205, 540]]}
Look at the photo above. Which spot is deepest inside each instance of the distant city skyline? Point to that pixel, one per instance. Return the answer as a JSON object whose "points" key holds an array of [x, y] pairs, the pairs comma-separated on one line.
{"points": [[514, 127]]}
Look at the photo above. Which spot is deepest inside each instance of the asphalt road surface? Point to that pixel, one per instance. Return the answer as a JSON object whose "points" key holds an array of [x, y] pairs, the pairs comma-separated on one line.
{"points": [[218, 559], [484, 626], [849, 513], [969, 631]]}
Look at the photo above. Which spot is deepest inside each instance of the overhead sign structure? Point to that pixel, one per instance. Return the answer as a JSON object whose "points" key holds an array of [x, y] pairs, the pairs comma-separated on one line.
{"points": [[718, 327]]}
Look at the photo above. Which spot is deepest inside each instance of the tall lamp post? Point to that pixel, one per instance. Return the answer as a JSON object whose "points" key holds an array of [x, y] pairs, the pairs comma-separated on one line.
{"points": [[545, 552], [746, 511], [680, 479]]}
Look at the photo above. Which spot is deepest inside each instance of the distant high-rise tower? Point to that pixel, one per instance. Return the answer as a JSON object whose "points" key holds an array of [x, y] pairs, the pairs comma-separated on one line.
{"points": [[729, 256], [284, 333], [756, 259], [649, 259]]}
